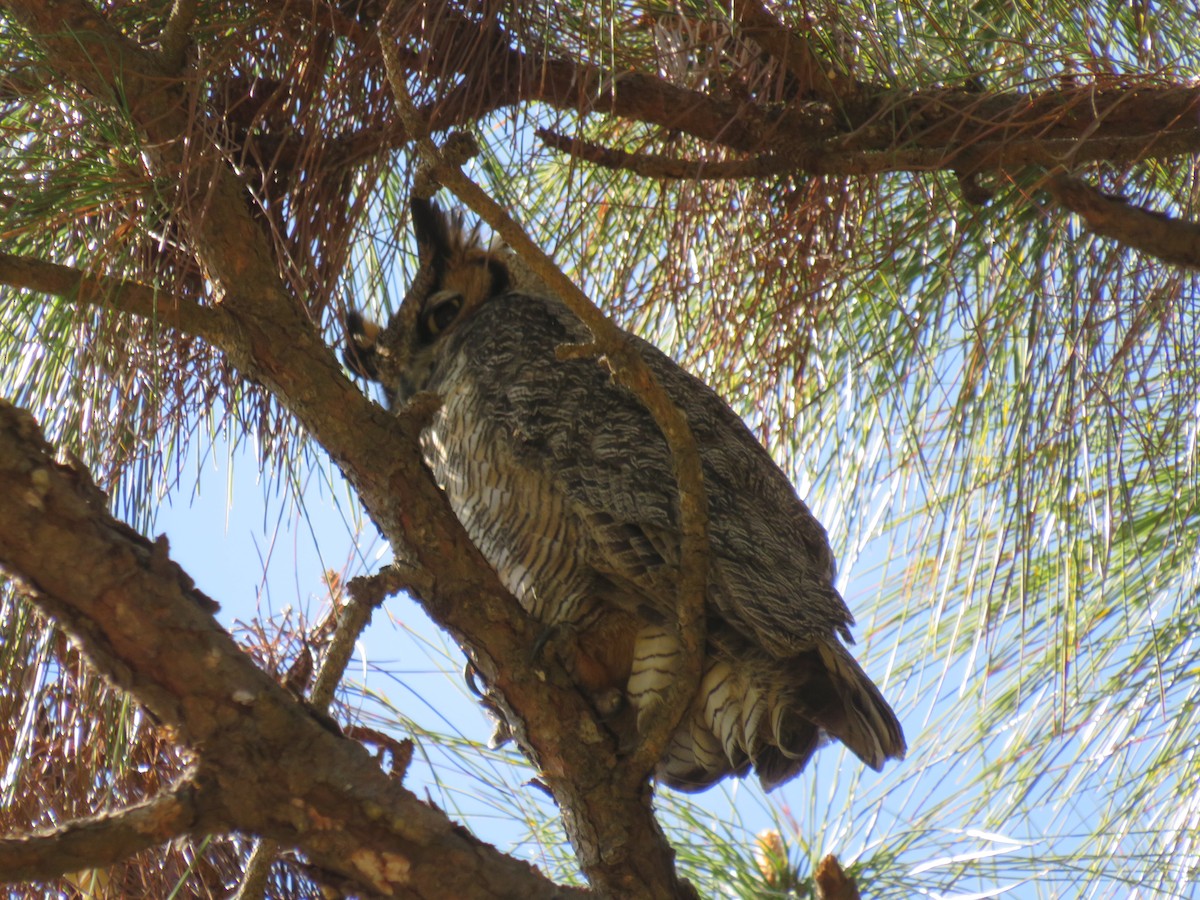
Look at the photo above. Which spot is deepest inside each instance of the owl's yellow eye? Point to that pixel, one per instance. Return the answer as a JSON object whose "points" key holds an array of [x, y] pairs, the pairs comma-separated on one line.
{"points": [[443, 309]]}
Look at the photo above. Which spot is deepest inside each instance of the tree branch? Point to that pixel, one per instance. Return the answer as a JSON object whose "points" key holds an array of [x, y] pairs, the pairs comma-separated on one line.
{"points": [[102, 840], [106, 292], [137, 619], [951, 129], [650, 165], [1171, 240], [173, 41]]}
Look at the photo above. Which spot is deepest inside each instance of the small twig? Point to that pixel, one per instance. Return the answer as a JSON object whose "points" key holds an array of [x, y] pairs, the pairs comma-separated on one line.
{"points": [[103, 840], [824, 79], [173, 41], [365, 594], [649, 165], [1171, 240]]}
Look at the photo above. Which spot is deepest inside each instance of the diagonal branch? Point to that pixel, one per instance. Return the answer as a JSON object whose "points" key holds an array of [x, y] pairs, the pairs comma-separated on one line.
{"points": [[107, 838], [1171, 240], [104, 291], [137, 619]]}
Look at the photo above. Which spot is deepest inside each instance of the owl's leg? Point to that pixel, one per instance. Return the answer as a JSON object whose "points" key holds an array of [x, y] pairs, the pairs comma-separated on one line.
{"points": [[656, 658]]}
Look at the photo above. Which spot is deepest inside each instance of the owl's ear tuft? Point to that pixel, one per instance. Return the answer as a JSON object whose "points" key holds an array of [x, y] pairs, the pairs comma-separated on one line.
{"points": [[501, 276], [443, 241], [432, 230], [457, 257]]}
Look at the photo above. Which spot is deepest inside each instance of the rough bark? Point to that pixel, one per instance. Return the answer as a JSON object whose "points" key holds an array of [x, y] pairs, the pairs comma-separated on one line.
{"points": [[266, 765]]}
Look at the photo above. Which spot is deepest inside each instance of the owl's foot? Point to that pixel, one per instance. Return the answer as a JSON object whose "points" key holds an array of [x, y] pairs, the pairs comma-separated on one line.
{"points": [[603, 687], [545, 636]]}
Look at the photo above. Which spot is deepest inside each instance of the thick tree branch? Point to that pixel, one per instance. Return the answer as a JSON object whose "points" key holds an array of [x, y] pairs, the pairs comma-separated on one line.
{"points": [[135, 616], [965, 131], [102, 840], [1171, 240], [951, 129], [501, 75]]}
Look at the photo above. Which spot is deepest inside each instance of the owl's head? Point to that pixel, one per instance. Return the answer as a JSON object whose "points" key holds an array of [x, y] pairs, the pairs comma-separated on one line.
{"points": [[457, 274], [462, 272]]}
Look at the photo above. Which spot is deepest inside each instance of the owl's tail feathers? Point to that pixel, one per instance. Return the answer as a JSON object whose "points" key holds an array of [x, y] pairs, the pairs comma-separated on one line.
{"points": [[772, 715], [856, 714]]}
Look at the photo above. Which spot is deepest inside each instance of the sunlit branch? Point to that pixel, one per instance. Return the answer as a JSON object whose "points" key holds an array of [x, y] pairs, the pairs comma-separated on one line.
{"points": [[137, 618], [1171, 240], [102, 840], [650, 165], [106, 292]]}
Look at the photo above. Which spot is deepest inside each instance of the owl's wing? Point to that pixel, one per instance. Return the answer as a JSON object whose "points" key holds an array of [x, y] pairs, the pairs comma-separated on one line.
{"points": [[602, 450], [771, 569]]}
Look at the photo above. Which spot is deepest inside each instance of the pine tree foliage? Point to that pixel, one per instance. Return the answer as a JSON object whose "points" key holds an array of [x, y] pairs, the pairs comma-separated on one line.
{"points": [[941, 256]]}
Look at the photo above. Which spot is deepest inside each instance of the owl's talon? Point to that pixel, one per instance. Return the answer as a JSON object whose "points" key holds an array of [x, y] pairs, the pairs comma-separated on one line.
{"points": [[540, 642]]}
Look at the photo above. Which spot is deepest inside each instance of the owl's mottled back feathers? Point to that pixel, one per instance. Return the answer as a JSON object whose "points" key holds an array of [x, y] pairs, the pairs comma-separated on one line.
{"points": [[565, 484]]}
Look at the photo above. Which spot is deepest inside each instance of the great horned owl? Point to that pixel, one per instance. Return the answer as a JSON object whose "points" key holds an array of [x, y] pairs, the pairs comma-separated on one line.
{"points": [[563, 481]]}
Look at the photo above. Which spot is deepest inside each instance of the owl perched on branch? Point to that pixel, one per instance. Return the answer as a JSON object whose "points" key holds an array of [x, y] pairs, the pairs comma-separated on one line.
{"points": [[565, 484]]}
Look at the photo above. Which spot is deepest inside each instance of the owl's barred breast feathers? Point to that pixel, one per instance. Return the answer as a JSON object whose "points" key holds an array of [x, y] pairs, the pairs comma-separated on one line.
{"points": [[561, 478]]}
